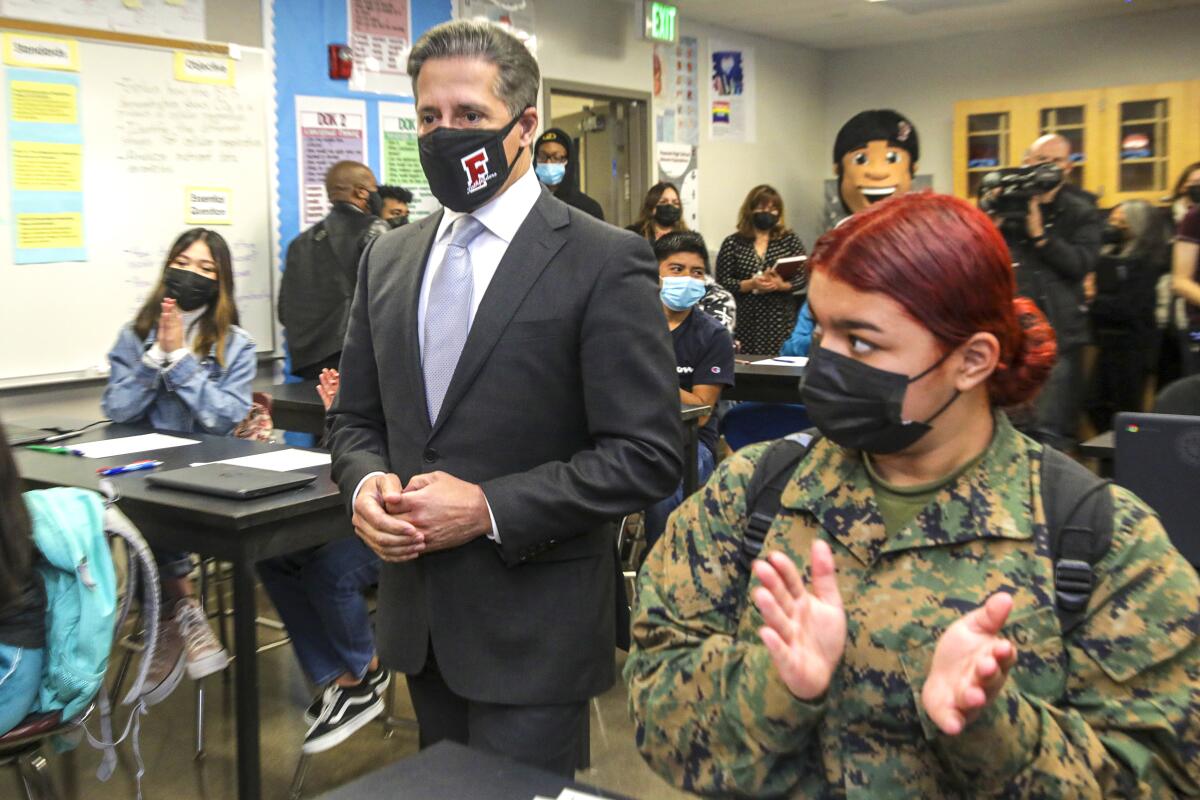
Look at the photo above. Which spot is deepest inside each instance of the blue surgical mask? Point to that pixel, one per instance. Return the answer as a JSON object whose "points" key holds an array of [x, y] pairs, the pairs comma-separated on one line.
{"points": [[680, 293], [550, 174]]}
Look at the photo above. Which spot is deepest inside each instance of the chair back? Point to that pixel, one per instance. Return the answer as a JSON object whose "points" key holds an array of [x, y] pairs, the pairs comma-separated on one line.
{"points": [[747, 423]]}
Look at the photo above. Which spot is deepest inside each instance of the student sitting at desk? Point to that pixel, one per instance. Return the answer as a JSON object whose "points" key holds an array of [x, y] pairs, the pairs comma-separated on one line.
{"points": [[703, 352], [319, 596], [183, 364]]}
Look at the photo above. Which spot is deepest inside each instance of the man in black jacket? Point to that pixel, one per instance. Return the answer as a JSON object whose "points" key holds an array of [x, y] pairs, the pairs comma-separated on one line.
{"points": [[1058, 248], [322, 268], [556, 165]]}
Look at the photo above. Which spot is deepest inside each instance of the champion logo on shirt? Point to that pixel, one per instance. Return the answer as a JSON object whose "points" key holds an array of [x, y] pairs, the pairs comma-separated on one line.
{"points": [[716, 370]]}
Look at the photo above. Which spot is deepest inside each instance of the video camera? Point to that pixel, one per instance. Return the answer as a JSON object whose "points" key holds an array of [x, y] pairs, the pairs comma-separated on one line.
{"points": [[1005, 193]]}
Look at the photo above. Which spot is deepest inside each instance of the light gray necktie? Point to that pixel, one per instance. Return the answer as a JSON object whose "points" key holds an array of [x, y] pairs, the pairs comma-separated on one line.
{"points": [[448, 313]]}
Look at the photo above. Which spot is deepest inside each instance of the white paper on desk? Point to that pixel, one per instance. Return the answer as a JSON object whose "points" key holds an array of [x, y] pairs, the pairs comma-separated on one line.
{"points": [[783, 361], [281, 460], [130, 444], [572, 794]]}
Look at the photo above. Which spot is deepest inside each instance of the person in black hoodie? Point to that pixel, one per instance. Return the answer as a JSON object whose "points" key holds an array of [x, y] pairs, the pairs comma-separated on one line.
{"points": [[556, 167], [322, 269]]}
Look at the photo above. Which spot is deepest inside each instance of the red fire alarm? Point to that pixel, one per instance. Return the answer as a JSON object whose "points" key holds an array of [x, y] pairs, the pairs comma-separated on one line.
{"points": [[341, 62]]}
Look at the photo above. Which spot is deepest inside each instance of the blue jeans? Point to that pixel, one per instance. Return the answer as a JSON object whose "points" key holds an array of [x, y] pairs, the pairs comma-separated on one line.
{"points": [[20, 679], [319, 596], [656, 515]]}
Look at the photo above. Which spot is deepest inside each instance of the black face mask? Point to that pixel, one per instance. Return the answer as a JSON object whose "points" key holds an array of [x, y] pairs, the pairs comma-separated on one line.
{"points": [[667, 215], [765, 220], [396, 222], [1193, 193], [858, 406], [375, 203], [466, 167], [188, 289], [1112, 235]]}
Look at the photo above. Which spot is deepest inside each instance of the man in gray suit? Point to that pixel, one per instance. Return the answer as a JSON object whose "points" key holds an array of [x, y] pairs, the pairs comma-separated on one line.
{"points": [[507, 391]]}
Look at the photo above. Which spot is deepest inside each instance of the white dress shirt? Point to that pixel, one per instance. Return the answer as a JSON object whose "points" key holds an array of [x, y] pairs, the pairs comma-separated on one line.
{"points": [[501, 217]]}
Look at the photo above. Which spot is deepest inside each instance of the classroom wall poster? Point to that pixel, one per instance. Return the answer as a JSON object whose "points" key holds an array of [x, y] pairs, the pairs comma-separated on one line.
{"points": [[399, 158], [328, 130], [180, 19], [380, 36], [45, 156], [677, 91], [677, 164], [732, 113], [515, 17]]}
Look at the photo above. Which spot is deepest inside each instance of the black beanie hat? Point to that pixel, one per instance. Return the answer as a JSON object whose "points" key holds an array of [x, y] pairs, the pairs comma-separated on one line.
{"points": [[876, 125]]}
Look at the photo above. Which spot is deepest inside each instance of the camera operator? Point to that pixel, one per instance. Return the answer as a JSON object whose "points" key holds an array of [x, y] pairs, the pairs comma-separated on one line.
{"points": [[1054, 249]]}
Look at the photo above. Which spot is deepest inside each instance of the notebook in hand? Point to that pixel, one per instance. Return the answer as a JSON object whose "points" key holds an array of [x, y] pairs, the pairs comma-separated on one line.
{"points": [[789, 268], [228, 480]]}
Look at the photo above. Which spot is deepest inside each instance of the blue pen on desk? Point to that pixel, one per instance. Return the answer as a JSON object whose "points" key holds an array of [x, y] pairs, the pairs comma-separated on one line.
{"points": [[136, 466]]}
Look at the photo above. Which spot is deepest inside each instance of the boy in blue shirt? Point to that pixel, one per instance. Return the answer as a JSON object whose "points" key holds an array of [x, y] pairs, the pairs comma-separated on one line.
{"points": [[703, 351]]}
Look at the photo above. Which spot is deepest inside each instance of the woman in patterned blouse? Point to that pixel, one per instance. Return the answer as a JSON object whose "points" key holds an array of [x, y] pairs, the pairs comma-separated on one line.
{"points": [[766, 302]]}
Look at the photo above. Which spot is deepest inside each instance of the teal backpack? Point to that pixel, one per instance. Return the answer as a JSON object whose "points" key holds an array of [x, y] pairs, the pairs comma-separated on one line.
{"points": [[81, 596]]}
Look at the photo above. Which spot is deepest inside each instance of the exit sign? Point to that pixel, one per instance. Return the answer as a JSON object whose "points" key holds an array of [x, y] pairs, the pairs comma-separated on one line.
{"points": [[662, 21]]}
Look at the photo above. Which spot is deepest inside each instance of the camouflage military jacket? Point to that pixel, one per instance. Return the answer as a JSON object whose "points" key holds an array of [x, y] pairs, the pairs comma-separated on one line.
{"points": [[1113, 711]]}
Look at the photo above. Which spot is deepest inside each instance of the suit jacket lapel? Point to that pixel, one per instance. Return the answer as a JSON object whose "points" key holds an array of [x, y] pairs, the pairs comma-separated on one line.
{"points": [[537, 241], [409, 268]]}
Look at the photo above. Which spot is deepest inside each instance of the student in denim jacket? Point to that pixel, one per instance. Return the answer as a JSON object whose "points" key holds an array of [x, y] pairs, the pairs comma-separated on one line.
{"points": [[183, 364]]}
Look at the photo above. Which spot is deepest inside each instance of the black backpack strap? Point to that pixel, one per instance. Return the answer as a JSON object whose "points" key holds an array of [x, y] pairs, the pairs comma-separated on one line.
{"points": [[771, 474], [1079, 521]]}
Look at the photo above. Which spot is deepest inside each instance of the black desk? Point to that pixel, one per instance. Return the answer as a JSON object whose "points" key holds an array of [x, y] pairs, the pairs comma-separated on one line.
{"points": [[1102, 447], [238, 531], [765, 383], [448, 770], [297, 407]]}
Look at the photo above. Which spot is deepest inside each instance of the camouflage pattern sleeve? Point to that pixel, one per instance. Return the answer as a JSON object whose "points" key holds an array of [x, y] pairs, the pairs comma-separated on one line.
{"points": [[712, 714], [1129, 723]]}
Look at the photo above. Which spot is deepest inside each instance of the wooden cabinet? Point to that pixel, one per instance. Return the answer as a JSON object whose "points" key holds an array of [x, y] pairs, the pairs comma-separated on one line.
{"points": [[1127, 142]]}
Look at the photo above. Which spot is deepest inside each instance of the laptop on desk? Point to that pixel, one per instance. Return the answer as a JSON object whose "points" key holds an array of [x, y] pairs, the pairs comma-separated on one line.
{"points": [[229, 480], [1158, 459]]}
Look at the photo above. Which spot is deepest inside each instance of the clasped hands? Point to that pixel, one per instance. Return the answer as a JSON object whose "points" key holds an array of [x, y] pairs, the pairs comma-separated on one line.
{"points": [[435, 511], [805, 633]]}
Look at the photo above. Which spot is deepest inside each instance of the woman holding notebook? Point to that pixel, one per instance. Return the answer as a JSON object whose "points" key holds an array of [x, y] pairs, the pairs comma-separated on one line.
{"points": [[183, 364]]}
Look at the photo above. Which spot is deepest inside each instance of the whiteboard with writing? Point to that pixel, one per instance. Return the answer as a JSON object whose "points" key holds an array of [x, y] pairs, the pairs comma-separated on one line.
{"points": [[169, 142]]}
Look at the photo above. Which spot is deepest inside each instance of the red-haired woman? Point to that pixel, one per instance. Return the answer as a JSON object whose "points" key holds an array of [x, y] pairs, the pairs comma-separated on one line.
{"points": [[926, 656]]}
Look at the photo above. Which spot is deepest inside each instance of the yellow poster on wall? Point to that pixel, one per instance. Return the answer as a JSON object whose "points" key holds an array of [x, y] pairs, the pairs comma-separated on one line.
{"points": [[49, 231], [47, 167], [31, 101]]}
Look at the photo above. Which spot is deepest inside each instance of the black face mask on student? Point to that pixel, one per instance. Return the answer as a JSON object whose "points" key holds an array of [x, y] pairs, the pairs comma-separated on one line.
{"points": [[1112, 235], [765, 220], [859, 406], [1193, 192], [466, 167], [188, 289], [396, 222], [667, 214]]}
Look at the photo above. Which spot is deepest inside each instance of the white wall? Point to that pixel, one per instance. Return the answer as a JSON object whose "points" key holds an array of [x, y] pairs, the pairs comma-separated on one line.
{"points": [[594, 42], [925, 79]]}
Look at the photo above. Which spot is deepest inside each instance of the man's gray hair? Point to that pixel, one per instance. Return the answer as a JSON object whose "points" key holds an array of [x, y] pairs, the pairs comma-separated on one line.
{"points": [[519, 76]]}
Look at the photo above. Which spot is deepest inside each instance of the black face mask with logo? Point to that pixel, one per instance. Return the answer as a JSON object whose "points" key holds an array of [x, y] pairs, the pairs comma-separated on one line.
{"points": [[466, 167], [188, 289], [860, 407]]}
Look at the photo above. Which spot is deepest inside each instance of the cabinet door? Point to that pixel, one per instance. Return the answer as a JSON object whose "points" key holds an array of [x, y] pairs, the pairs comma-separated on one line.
{"points": [[1076, 116], [1147, 133], [983, 141]]}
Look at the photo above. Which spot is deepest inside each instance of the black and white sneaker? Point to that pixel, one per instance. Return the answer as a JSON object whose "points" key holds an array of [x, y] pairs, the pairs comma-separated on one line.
{"points": [[378, 679], [345, 709]]}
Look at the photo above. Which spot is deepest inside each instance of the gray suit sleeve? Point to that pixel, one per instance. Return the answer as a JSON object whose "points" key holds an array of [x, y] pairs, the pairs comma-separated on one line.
{"points": [[357, 434], [631, 392]]}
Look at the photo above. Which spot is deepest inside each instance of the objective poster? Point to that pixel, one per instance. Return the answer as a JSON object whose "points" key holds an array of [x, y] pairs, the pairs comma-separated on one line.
{"points": [[732, 97]]}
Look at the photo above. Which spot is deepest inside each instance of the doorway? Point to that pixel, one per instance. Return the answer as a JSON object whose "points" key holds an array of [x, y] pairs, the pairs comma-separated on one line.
{"points": [[610, 130]]}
